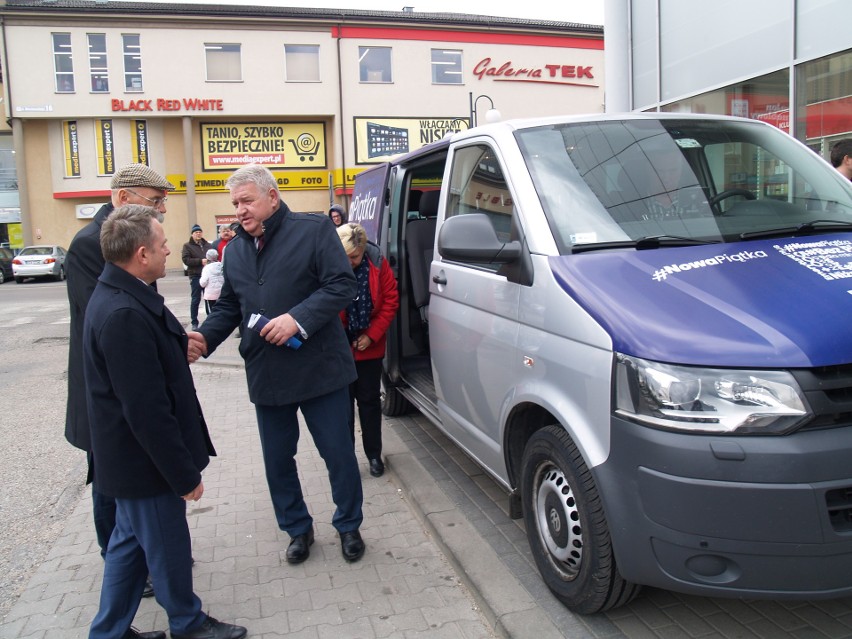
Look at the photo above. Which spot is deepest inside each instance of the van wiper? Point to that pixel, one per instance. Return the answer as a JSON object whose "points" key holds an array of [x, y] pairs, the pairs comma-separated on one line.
{"points": [[643, 243], [806, 228]]}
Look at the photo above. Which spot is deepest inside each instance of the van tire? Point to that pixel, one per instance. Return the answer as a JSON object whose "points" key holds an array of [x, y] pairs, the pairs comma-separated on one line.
{"points": [[393, 403], [566, 526]]}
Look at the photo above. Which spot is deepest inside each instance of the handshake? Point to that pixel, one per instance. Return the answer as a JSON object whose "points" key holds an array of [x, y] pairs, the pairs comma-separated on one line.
{"points": [[197, 344]]}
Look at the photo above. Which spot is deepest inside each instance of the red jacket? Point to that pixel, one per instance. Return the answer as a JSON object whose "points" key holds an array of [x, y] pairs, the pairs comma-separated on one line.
{"points": [[385, 304]]}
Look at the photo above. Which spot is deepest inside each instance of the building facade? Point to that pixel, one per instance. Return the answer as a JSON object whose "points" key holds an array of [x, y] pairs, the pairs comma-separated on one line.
{"points": [[786, 62], [196, 91]]}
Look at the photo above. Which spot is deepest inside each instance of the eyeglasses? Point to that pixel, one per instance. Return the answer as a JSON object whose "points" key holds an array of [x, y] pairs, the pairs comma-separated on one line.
{"points": [[156, 201]]}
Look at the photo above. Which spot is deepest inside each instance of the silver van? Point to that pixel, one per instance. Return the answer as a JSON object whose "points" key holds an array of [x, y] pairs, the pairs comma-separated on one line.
{"points": [[639, 325]]}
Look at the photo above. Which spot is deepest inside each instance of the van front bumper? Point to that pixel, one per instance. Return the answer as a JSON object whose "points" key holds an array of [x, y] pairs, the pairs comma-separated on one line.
{"points": [[731, 516]]}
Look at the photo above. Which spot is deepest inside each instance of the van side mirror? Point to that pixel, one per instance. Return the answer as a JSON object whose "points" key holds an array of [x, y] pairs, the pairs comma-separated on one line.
{"points": [[472, 238]]}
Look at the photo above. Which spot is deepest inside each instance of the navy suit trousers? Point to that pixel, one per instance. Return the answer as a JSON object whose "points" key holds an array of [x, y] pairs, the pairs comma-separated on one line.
{"points": [[154, 528], [327, 419]]}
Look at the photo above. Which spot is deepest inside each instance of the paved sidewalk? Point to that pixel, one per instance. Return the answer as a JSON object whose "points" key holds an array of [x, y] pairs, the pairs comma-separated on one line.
{"points": [[403, 587]]}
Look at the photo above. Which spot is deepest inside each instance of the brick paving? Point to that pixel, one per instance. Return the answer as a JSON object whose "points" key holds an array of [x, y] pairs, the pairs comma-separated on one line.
{"points": [[443, 558]]}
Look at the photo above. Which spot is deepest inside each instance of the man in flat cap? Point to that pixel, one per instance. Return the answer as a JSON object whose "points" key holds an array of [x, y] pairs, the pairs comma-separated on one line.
{"points": [[131, 184]]}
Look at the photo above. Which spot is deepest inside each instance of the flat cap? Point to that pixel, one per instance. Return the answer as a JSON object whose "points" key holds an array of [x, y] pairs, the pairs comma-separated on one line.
{"points": [[131, 175]]}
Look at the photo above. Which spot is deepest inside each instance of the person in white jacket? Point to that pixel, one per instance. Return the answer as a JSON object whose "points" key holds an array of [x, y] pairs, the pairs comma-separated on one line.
{"points": [[212, 279]]}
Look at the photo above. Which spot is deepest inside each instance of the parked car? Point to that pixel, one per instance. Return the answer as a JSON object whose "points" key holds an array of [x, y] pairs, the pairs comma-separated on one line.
{"points": [[6, 256], [39, 261]]}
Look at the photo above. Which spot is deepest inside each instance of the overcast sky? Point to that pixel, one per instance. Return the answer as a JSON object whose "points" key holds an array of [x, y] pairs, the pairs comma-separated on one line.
{"points": [[582, 11]]}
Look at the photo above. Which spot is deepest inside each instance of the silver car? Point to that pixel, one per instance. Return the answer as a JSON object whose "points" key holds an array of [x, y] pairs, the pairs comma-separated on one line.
{"points": [[39, 261]]}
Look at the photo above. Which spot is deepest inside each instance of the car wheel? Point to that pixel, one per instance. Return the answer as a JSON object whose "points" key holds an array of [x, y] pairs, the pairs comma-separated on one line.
{"points": [[2, 277], [61, 275], [566, 526], [393, 403]]}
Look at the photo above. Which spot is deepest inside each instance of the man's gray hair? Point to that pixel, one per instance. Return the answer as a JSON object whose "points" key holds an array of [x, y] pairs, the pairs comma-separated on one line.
{"points": [[256, 174], [125, 230]]}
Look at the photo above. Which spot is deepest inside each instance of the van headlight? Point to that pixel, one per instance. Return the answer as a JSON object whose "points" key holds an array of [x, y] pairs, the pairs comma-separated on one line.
{"points": [[707, 400]]}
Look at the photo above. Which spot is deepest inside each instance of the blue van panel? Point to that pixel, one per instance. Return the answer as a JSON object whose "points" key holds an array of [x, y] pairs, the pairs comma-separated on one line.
{"points": [[769, 303]]}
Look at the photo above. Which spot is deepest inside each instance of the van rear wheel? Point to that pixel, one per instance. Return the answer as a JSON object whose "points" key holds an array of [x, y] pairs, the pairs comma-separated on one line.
{"points": [[566, 526]]}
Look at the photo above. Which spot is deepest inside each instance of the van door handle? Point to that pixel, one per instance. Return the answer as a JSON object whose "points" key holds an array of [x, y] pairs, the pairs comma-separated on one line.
{"points": [[439, 279]]}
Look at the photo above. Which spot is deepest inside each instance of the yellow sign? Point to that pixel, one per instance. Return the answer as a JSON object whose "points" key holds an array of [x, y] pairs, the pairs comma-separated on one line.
{"points": [[72, 148], [104, 142], [287, 181], [139, 141], [379, 139], [281, 145]]}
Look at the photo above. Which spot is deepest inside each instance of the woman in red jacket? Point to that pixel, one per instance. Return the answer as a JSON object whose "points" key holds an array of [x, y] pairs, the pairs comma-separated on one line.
{"points": [[366, 321]]}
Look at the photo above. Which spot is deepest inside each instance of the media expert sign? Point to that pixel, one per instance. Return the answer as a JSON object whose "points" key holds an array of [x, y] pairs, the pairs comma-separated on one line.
{"points": [[379, 139], [72, 148], [276, 145], [289, 181]]}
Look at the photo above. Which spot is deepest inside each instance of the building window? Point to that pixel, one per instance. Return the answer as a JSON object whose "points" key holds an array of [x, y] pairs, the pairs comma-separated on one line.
{"points": [[824, 101], [62, 63], [132, 62], [224, 63], [374, 64], [98, 62], [301, 62], [446, 66]]}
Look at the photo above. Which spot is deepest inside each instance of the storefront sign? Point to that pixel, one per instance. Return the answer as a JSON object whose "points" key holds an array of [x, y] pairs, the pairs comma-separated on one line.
{"points": [[72, 148], [139, 141], [287, 181], [163, 104], [379, 139], [104, 142], [507, 71], [281, 145]]}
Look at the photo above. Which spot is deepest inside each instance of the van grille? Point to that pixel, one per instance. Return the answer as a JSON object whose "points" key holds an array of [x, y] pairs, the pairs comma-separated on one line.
{"points": [[828, 390]]}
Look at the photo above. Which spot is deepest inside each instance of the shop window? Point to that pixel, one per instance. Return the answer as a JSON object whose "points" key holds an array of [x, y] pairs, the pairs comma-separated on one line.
{"points": [[98, 62], [224, 62], [824, 101], [446, 66], [301, 63], [63, 65], [374, 64], [132, 62]]}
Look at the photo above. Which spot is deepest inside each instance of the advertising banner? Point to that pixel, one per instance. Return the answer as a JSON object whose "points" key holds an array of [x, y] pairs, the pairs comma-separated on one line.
{"points": [[139, 141], [71, 144], [275, 145], [367, 204], [104, 142], [379, 139]]}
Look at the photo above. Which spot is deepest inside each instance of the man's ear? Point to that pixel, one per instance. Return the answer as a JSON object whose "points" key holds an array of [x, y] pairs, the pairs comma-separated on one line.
{"points": [[141, 255]]}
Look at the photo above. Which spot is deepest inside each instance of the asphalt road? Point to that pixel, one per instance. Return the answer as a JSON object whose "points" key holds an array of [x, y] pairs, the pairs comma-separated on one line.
{"points": [[42, 476]]}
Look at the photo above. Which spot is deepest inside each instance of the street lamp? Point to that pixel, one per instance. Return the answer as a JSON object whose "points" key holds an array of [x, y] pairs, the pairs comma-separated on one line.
{"points": [[492, 115]]}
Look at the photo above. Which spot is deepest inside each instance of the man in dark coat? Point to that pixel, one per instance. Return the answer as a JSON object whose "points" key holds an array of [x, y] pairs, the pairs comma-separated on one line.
{"points": [[292, 269], [149, 439], [194, 256], [131, 184]]}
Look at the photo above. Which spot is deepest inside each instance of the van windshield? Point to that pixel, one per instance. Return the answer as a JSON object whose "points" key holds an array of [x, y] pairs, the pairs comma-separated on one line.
{"points": [[621, 182]]}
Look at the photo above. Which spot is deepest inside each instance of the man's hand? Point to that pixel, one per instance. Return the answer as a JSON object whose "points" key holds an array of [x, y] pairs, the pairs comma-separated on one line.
{"points": [[279, 329], [196, 493], [196, 346]]}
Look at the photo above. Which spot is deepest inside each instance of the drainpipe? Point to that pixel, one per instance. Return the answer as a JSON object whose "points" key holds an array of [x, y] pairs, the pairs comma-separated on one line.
{"points": [[191, 212]]}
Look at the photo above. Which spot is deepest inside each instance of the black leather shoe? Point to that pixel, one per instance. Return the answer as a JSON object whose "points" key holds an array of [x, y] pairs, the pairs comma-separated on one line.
{"points": [[148, 591], [132, 633], [212, 629], [352, 545], [377, 468], [300, 547]]}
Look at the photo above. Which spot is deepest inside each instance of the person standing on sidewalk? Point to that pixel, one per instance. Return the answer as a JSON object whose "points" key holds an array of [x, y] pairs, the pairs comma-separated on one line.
{"points": [[367, 319], [291, 269], [149, 438], [131, 184], [211, 280], [194, 255]]}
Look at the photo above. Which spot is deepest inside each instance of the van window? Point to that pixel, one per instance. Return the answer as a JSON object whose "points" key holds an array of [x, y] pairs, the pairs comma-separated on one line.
{"points": [[478, 185], [620, 181]]}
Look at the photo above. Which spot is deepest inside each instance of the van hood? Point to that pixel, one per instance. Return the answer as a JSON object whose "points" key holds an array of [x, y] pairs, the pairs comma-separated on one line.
{"points": [[767, 303]]}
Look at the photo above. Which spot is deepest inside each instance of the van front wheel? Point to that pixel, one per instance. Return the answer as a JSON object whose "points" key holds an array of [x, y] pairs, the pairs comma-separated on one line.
{"points": [[566, 526]]}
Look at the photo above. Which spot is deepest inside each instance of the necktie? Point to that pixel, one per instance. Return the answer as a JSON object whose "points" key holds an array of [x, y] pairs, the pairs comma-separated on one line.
{"points": [[260, 241]]}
